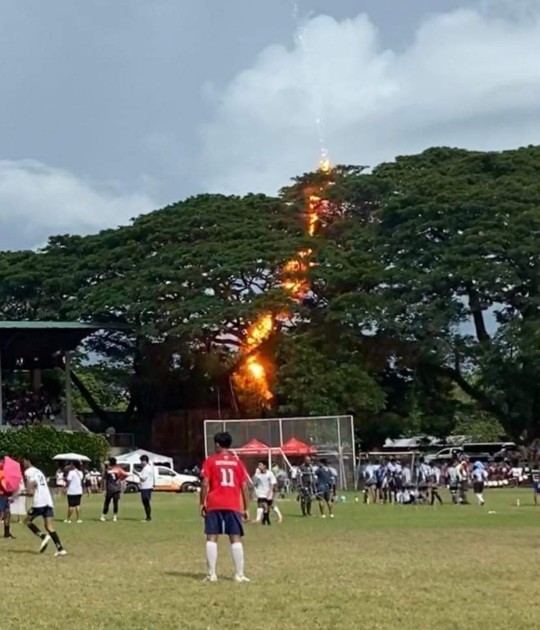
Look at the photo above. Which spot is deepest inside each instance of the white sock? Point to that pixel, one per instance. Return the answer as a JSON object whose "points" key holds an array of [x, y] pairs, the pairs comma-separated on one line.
{"points": [[260, 513], [237, 550], [276, 510], [480, 498], [211, 557]]}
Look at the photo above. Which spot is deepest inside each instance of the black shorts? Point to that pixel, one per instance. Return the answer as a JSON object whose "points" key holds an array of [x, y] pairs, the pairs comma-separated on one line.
{"points": [[74, 500], [4, 503], [478, 487], [46, 512], [305, 493]]}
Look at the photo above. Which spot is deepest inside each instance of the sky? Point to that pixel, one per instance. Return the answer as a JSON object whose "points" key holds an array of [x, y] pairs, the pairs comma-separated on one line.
{"points": [[112, 109]]}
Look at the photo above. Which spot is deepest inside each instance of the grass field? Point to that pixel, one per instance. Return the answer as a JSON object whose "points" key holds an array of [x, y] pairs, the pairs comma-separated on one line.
{"points": [[372, 567]]}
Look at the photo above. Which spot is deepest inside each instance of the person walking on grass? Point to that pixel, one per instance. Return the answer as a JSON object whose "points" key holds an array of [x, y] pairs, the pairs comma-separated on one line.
{"points": [[74, 491], [479, 476], [42, 506], [146, 475], [224, 505], [114, 476]]}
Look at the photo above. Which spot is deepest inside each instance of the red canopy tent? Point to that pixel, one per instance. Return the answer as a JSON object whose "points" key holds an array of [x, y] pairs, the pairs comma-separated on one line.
{"points": [[294, 447], [253, 447]]}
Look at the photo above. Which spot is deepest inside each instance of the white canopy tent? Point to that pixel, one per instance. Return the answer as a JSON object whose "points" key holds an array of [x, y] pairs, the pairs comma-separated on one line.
{"points": [[134, 457]]}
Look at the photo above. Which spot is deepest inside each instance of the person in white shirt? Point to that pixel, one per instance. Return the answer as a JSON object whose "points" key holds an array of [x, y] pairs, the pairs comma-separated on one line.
{"points": [[479, 476], [60, 481], [74, 492], [42, 505], [146, 476], [265, 483]]}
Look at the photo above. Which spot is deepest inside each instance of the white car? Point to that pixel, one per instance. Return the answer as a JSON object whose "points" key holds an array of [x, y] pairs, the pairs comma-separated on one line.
{"points": [[165, 479]]}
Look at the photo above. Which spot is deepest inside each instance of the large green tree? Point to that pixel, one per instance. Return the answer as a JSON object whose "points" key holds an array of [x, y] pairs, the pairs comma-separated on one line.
{"points": [[186, 282], [459, 236], [423, 276]]}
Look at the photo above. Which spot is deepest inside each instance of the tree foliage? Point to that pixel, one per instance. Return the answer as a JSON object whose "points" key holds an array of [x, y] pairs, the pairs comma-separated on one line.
{"points": [[424, 281], [44, 442]]}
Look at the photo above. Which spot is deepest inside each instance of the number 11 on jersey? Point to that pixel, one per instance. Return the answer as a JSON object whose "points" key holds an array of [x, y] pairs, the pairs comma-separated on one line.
{"points": [[227, 478]]}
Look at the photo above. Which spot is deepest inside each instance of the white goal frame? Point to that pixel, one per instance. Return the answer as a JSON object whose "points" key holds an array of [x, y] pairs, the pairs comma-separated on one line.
{"points": [[338, 447]]}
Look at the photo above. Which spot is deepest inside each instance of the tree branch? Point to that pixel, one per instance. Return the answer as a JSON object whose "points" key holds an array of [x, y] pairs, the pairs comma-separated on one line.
{"points": [[478, 316], [485, 403]]}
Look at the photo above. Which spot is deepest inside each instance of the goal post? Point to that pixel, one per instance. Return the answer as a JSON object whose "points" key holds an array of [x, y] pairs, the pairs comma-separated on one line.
{"points": [[328, 437]]}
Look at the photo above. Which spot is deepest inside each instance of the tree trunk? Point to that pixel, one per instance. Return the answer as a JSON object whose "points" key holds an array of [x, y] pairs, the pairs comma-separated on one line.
{"points": [[85, 393]]}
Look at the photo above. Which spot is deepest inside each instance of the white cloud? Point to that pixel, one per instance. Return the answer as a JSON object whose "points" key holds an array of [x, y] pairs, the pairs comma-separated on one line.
{"points": [[37, 201], [469, 78]]}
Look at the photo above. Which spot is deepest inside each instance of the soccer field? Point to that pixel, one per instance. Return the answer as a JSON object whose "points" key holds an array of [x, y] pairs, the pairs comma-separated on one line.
{"points": [[372, 567]]}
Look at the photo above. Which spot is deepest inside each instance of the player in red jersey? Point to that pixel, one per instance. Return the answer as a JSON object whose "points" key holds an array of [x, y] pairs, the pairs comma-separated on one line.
{"points": [[224, 505]]}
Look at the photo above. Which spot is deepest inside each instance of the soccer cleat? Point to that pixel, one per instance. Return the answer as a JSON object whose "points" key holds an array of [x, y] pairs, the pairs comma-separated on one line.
{"points": [[114, 519], [44, 543], [241, 578], [103, 519], [79, 521], [210, 578], [60, 554], [331, 516], [323, 515], [67, 521]]}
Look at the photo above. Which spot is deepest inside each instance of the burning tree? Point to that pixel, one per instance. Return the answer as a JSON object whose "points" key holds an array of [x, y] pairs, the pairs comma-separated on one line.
{"points": [[252, 375]]}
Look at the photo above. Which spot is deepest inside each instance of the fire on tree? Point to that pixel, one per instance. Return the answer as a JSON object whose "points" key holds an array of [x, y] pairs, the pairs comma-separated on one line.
{"points": [[252, 372]]}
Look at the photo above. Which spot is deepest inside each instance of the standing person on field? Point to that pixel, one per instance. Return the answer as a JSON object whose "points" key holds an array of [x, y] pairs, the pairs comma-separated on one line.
{"points": [[265, 483], [5, 498], [74, 492], [114, 476], [87, 481], [433, 481], [307, 486], [479, 476], [146, 475], [224, 501], [60, 481], [325, 483], [42, 506]]}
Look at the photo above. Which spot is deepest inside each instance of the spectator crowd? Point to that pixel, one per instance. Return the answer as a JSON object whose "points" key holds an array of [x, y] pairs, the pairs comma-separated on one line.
{"points": [[24, 407]]}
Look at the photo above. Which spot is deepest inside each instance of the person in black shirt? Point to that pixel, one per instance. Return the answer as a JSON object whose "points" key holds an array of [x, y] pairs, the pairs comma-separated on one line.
{"points": [[325, 483], [306, 473], [114, 476]]}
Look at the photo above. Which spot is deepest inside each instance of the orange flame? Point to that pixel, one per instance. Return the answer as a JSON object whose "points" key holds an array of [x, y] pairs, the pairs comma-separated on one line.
{"points": [[260, 331], [252, 372]]}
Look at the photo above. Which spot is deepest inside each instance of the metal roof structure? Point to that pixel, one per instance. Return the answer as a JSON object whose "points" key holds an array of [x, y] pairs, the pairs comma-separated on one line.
{"points": [[25, 345]]}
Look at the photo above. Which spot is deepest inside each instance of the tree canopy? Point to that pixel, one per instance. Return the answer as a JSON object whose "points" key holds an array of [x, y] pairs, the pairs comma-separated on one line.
{"points": [[421, 308]]}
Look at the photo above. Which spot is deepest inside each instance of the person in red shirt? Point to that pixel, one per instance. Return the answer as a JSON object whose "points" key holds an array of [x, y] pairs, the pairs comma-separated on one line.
{"points": [[4, 502], [224, 505]]}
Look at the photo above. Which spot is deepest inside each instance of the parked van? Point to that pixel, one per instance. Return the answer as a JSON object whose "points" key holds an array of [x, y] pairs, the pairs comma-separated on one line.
{"points": [[165, 479]]}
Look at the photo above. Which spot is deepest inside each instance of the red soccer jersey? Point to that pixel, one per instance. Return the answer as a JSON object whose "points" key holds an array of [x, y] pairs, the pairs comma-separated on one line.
{"points": [[225, 475]]}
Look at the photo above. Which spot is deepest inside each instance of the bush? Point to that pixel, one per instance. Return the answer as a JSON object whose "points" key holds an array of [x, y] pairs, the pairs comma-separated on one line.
{"points": [[45, 442]]}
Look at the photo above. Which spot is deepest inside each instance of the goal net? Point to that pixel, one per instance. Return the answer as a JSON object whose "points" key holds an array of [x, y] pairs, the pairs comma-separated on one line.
{"points": [[287, 441]]}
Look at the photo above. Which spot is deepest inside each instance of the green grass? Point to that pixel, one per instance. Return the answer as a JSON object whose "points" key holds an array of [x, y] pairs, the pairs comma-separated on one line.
{"points": [[372, 567]]}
